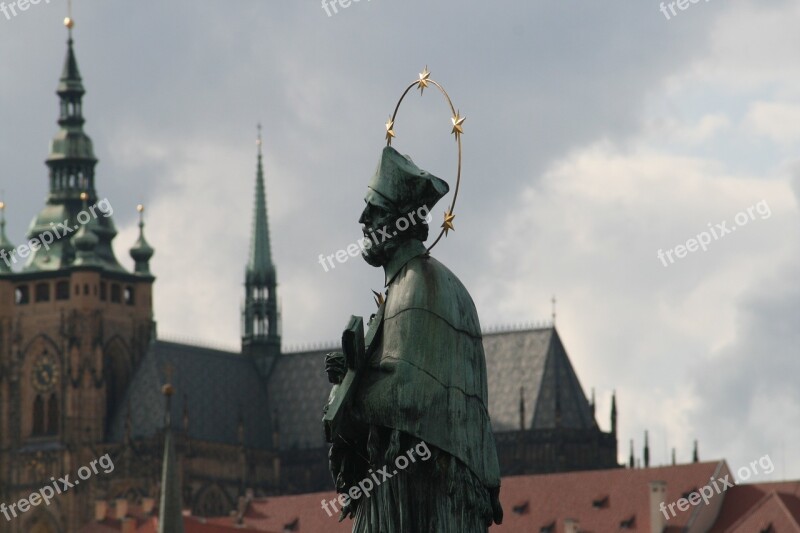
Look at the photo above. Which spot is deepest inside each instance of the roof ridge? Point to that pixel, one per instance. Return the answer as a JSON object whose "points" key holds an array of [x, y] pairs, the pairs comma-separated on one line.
{"points": [[196, 343]]}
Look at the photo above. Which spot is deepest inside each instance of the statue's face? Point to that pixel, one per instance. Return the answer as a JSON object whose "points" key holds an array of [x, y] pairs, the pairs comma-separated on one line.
{"points": [[376, 220]]}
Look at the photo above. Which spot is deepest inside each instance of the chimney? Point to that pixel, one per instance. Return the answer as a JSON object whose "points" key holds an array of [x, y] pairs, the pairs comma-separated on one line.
{"points": [[658, 497], [571, 525], [100, 510], [147, 505], [120, 508]]}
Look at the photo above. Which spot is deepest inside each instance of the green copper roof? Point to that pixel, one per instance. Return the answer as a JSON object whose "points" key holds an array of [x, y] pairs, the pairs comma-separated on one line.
{"points": [[70, 75], [5, 245], [260, 267], [141, 252], [77, 236]]}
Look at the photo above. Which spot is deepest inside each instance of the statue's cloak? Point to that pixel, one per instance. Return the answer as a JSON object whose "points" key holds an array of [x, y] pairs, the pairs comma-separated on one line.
{"points": [[427, 374]]}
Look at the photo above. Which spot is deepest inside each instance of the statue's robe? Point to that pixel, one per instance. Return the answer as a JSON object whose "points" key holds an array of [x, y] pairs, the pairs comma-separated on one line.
{"points": [[427, 382]]}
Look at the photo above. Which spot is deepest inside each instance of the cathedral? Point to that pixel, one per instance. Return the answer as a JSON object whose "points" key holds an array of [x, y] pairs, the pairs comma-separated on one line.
{"points": [[82, 371]]}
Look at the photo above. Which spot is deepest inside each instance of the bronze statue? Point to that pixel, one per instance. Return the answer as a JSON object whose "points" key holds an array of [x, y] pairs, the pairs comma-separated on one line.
{"points": [[412, 446]]}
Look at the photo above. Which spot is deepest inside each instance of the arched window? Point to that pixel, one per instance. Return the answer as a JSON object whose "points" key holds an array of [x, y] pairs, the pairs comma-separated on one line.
{"points": [[62, 290], [38, 416], [52, 415]]}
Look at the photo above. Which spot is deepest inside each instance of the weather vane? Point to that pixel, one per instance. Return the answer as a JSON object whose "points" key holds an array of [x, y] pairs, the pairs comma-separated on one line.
{"points": [[457, 129]]}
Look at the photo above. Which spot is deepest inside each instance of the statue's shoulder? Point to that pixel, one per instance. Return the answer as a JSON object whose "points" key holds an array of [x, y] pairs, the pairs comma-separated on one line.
{"points": [[424, 283]]}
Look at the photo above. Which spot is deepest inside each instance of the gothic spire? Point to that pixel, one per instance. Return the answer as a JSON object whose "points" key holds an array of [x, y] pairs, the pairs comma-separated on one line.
{"points": [[260, 332], [259, 266], [614, 412], [170, 509]]}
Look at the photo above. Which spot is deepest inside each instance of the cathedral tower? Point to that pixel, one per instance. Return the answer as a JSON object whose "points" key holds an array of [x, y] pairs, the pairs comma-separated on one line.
{"points": [[260, 318], [73, 325]]}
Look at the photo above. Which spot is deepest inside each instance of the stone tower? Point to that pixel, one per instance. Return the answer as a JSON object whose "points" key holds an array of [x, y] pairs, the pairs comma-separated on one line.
{"points": [[73, 326]]}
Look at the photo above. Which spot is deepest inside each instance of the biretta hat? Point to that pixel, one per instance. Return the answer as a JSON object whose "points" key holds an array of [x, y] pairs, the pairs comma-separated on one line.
{"points": [[401, 186]]}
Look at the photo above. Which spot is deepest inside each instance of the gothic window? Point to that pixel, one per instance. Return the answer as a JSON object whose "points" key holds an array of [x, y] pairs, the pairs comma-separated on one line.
{"points": [[52, 415], [62, 290], [22, 295], [38, 416], [212, 502], [42, 292], [103, 291], [115, 293], [129, 295]]}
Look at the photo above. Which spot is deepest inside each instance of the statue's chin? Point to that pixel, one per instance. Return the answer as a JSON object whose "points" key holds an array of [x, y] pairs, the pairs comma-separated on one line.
{"points": [[372, 259], [378, 255]]}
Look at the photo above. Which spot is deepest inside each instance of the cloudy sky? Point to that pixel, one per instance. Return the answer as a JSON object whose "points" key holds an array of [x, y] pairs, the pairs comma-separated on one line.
{"points": [[597, 134]]}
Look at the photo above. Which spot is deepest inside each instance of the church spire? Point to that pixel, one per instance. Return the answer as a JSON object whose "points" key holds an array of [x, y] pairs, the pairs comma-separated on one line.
{"points": [[260, 333], [259, 265], [71, 163], [170, 509], [71, 158]]}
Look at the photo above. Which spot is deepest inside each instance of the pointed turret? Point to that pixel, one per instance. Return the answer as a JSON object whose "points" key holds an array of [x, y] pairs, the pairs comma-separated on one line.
{"points": [[646, 450], [260, 333], [141, 252], [71, 165], [170, 511], [631, 460], [695, 454], [6, 246], [614, 413]]}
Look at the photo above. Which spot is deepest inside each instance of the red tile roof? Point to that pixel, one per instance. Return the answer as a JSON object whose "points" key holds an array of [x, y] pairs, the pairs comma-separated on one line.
{"points": [[600, 500], [754, 507]]}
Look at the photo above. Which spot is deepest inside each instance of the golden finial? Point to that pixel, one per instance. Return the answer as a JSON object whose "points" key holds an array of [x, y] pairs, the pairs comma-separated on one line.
{"points": [[258, 140], [69, 22], [167, 389], [140, 208], [2, 205], [84, 196]]}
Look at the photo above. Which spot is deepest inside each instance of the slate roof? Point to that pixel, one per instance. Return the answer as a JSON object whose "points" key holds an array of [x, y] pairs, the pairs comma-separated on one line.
{"points": [[531, 359], [298, 390], [216, 386], [219, 384], [533, 364]]}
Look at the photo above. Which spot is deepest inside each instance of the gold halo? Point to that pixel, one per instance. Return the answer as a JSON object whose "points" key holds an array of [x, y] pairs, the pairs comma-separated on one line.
{"points": [[457, 121]]}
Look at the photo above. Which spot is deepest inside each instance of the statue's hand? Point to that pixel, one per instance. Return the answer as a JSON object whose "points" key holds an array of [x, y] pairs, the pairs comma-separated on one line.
{"points": [[335, 367]]}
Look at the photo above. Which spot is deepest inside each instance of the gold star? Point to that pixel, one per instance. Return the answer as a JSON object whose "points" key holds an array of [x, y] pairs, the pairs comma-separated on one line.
{"points": [[379, 299], [458, 129], [447, 225], [423, 79], [389, 130]]}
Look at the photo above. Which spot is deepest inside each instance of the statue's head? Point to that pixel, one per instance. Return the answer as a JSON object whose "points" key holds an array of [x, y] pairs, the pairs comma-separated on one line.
{"points": [[399, 198]]}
